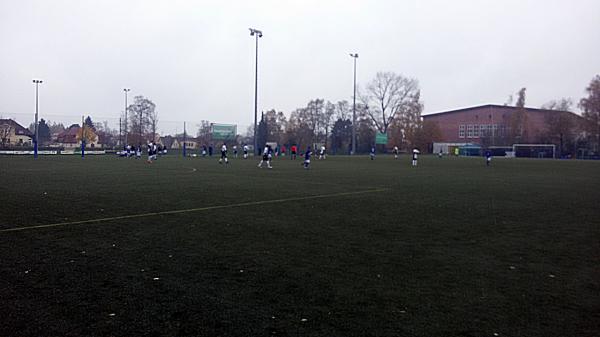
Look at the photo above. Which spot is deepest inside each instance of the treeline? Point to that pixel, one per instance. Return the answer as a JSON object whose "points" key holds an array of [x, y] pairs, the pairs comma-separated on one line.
{"points": [[389, 104]]}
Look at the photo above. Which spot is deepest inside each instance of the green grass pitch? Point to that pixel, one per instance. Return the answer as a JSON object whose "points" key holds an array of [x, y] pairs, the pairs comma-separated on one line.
{"points": [[351, 247]]}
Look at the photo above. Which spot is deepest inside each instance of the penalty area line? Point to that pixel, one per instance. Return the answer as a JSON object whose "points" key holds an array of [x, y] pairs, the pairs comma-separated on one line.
{"points": [[191, 210]]}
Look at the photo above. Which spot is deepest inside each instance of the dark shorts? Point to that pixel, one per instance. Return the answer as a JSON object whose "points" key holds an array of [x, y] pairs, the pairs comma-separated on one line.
{"points": [[265, 157], [223, 154]]}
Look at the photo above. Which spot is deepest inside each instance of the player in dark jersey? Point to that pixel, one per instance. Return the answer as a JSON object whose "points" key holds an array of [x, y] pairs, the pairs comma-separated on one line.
{"points": [[488, 157], [307, 158]]}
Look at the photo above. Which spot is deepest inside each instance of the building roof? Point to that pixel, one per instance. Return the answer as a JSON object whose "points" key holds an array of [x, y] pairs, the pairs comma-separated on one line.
{"points": [[19, 129], [508, 107], [69, 135]]}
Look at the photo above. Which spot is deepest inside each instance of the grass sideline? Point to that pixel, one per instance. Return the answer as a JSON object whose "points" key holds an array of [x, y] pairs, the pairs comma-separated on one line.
{"points": [[450, 248]]}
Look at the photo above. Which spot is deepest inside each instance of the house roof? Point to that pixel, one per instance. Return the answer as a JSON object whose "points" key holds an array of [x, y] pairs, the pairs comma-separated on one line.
{"points": [[69, 135], [19, 129], [494, 106]]}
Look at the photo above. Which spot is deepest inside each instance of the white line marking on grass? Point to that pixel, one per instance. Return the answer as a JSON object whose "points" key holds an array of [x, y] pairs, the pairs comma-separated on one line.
{"points": [[190, 210]]}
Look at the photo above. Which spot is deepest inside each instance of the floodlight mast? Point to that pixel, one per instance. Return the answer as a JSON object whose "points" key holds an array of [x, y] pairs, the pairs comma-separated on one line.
{"points": [[354, 56], [126, 90], [257, 33], [35, 140]]}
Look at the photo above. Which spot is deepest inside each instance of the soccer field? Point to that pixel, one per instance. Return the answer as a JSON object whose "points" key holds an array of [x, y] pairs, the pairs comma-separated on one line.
{"points": [[352, 247]]}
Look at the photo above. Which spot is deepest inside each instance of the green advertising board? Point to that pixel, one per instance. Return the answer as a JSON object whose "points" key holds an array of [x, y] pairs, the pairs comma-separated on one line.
{"points": [[381, 138], [223, 131]]}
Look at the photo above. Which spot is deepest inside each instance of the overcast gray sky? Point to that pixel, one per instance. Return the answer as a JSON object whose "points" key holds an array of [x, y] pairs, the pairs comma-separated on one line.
{"points": [[195, 59]]}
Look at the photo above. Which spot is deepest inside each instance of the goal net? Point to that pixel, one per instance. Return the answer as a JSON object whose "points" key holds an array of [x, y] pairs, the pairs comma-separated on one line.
{"points": [[534, 150]]}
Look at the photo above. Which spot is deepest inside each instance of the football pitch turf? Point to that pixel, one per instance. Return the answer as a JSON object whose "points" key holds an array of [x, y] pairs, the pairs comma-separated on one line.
{"points": [[111, 246]]}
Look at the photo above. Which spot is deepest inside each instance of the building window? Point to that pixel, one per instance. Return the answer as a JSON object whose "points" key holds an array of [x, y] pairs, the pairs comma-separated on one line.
{"points": [[461, 131], [482, 130], [476, 131], [470, 131]]}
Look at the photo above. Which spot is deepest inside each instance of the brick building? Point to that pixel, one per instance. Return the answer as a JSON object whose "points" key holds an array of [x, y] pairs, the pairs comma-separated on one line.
{"points": [[491, 124]]}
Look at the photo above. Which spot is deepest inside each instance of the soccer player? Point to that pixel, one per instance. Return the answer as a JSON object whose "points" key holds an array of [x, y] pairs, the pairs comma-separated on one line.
{"points": [[223, 154], [488, 157], [440, 154], [372, 153], [203, 150], [307, 158], [154, 150], [294, 151], [149, 161], [128, 151], [138, 152], [235, 151], [395, 152], [266, 158], [415, 155], [245, 151], [322, 154]]}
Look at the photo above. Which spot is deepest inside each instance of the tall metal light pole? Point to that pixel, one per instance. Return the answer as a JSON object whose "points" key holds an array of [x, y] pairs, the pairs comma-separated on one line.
{"points": [[126, 90], [354, 56], [35, 141], [257, 33]]}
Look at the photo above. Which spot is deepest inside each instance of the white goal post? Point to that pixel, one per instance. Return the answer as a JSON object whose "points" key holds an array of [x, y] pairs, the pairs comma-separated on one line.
{"points": [[535, 150]]}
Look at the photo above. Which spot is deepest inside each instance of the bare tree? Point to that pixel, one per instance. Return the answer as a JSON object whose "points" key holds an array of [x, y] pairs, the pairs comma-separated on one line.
{"points": [[139, 113], [560, 124], [203, 133], [327, 119], [342, 110], [388, 96], [313, 111], [153, 121], [591, 109], [5, 131], [519, 120]]}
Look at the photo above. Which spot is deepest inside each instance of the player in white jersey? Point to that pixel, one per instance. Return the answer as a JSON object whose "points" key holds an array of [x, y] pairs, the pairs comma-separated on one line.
{"points": [[396, 152], [415, 156], [245, 151], [322, 154], [223, 154], [266, 158], [150, 149]]}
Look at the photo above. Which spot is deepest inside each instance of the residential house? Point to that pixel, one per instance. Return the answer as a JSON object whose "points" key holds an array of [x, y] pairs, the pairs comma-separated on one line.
{"points": [[14, 134]]}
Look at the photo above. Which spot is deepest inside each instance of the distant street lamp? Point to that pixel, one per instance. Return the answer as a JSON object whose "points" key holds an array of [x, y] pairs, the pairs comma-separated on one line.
{"points": [[35, 141], [126, 90], [257, 33], [354, 56]]}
